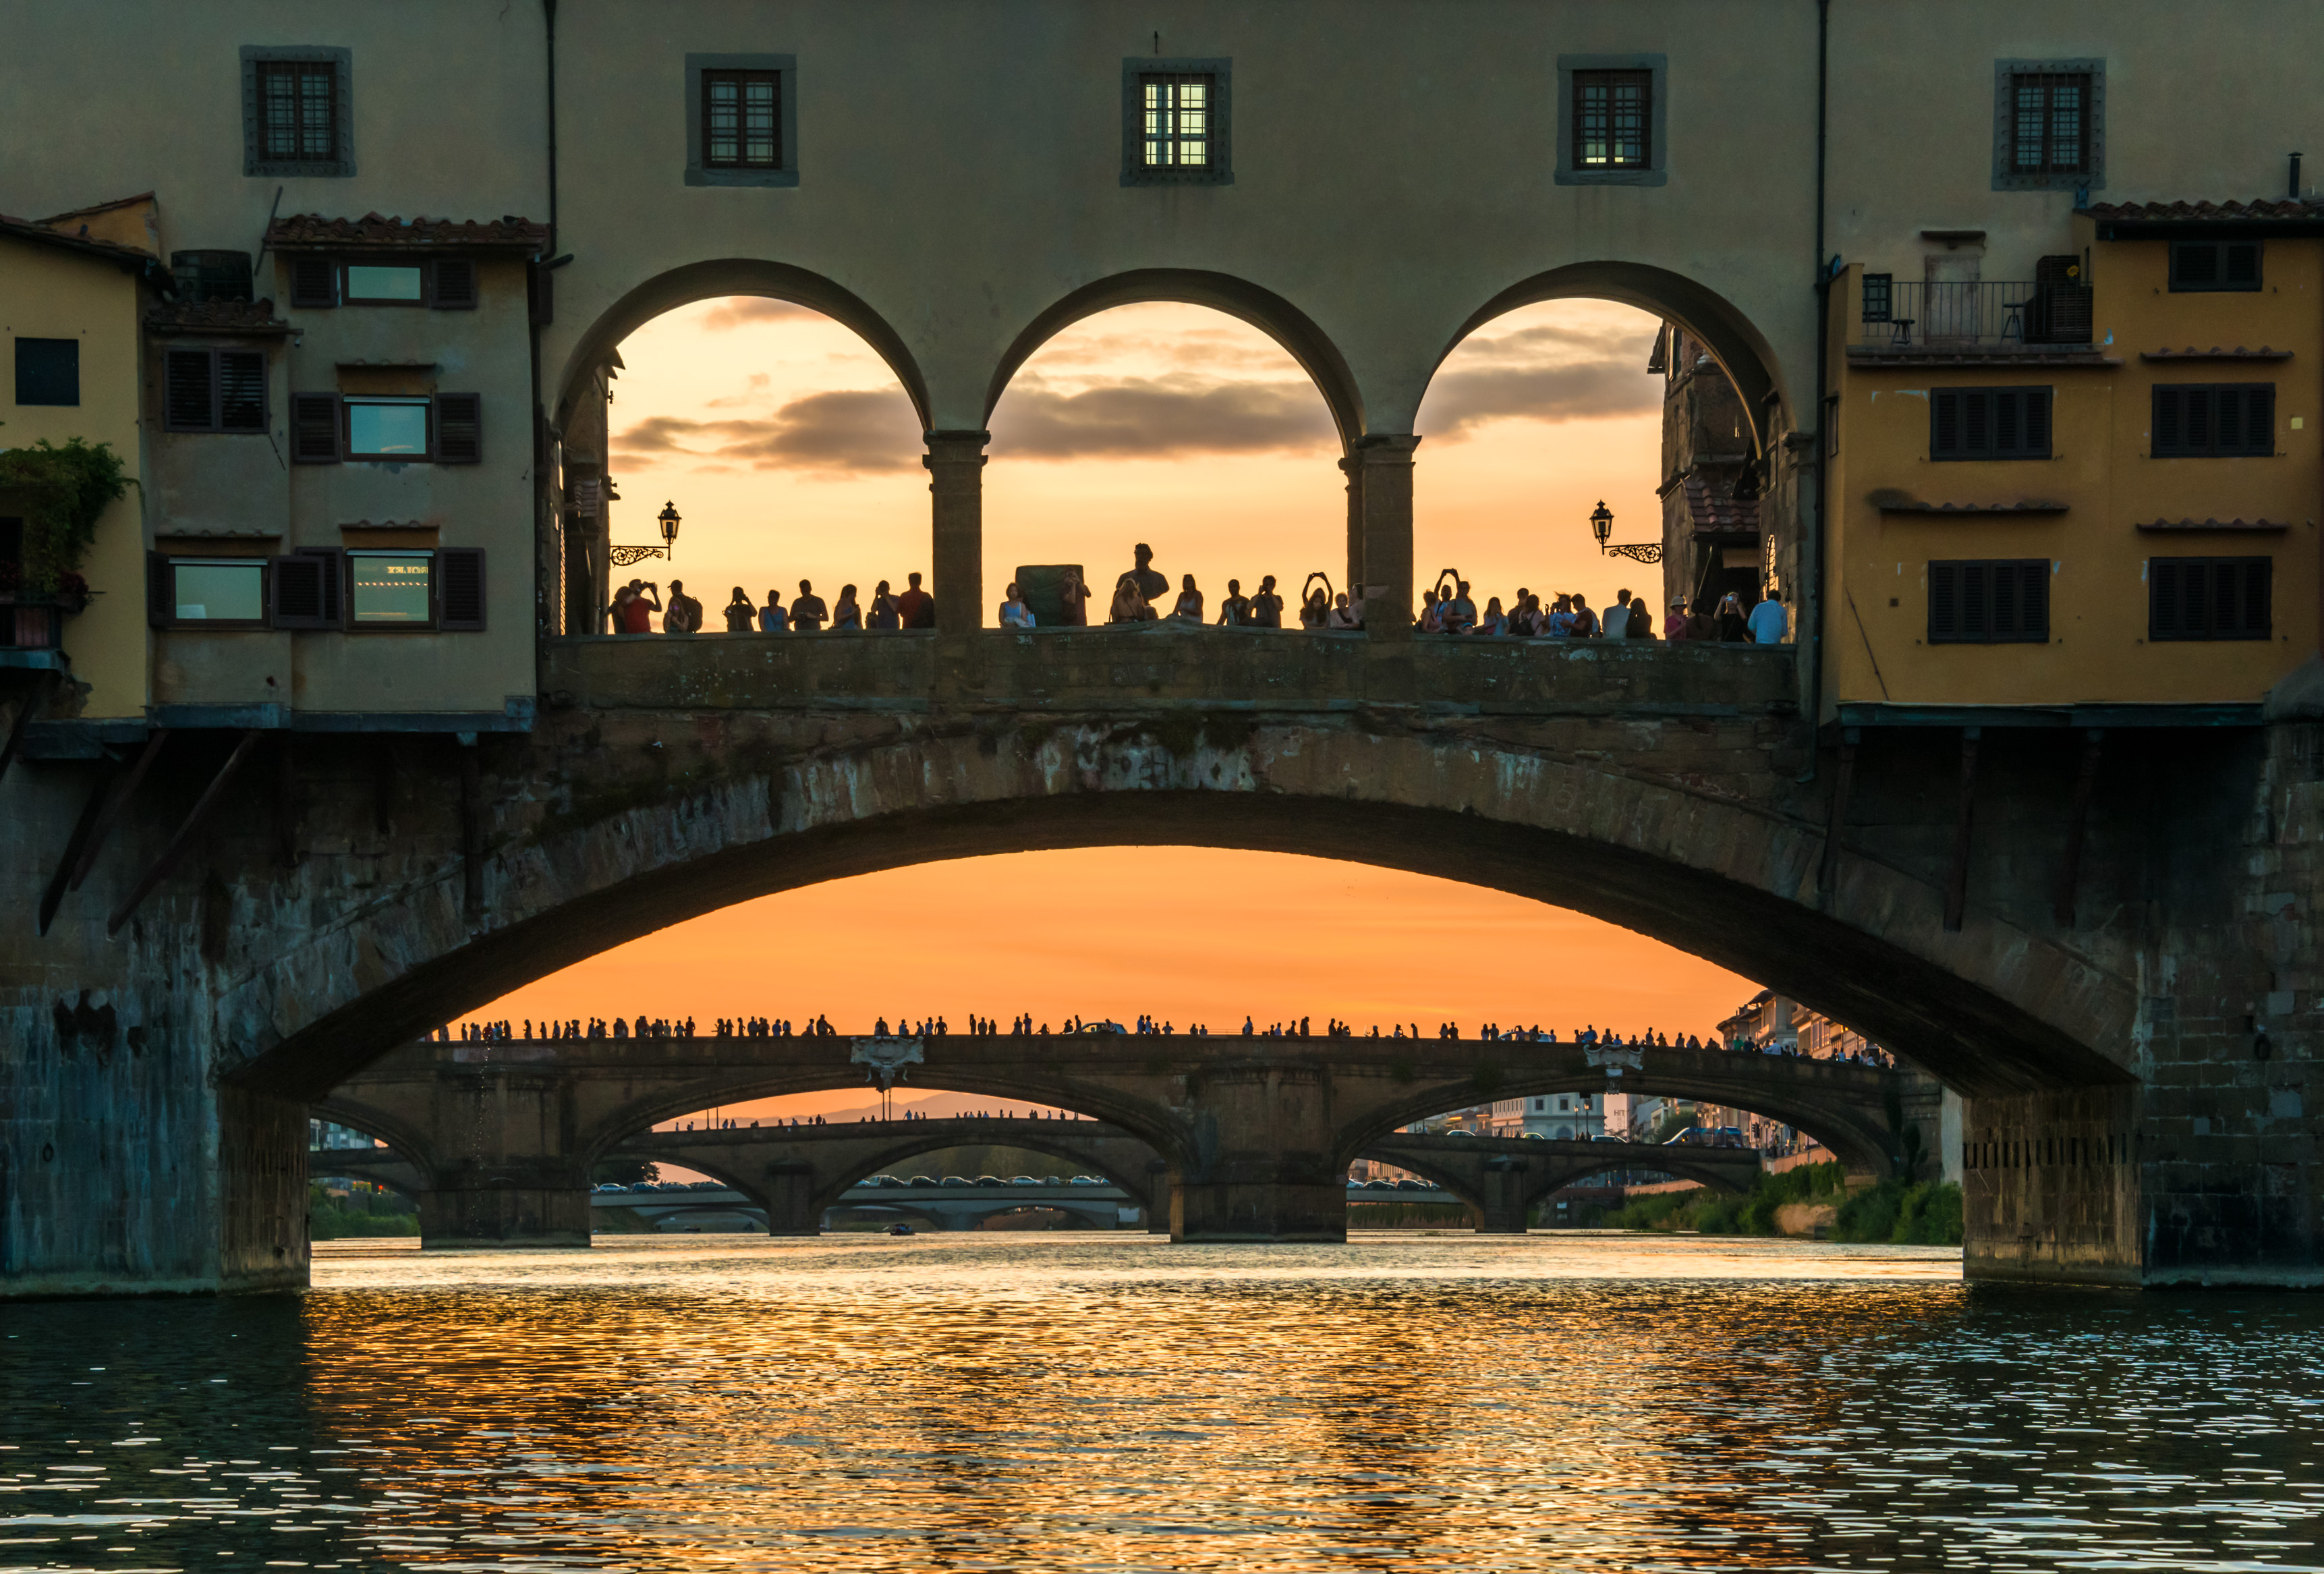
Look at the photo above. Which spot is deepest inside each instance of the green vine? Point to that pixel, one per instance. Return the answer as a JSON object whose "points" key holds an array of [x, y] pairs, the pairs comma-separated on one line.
{"points": [[64, 491]]}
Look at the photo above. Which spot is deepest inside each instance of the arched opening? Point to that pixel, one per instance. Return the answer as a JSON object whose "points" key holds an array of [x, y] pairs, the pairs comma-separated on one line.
{"points": [[1189, 412], [776, 414]]}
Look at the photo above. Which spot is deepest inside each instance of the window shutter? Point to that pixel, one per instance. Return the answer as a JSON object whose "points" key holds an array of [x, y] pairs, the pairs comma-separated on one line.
{"points": [[2195, 600], [2198, 411], [2227, 416], [315, 429], [2005, 624], [1976, 599], [2162, 590], [2256, 621], [459, 429], [455, 284], [1944, 602], [2008, 421], [2242, 264], [2037, 423], [2196, 262], [242, 391], [161, 591], [1944, 436], [298, 584], [335, 579], [314, 281], [2170, 407], [2259, 419], [2034, 601], [186, 391], [1975, 434], [460, 589]]}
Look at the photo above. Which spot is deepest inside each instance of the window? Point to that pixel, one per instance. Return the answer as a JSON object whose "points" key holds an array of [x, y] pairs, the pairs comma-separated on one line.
{"points": [[48, 371], [443, 428], [2202, 265], [2048, 125], [741, 120], [2213, 420], [213, 390], [1989, 602], [1989, 423], [1879, 297], [381, 426], [1611, 125], [384, 284], [2208, 598], [319, 588], [205, 276], [228, 592], [445, 284], [1175, 123], [390, 589], [309, 588], [295, 112]]}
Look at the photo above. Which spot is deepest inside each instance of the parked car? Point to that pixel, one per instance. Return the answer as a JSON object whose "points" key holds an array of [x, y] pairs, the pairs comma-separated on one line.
{"points": [[1379, 1185], [1088, 1181], [922, 1181], [705, 1185], [954, 1181], [609, 1186], [1409, 1184], [1023, 1181], [991, 1181], [1708, 1137], [899, 1228]]}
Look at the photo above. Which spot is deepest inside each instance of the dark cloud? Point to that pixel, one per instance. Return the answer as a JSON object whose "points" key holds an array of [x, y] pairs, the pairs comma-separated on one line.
{"points": [[737, 310], [1461, 401], [1145, 417], [845, 431]]}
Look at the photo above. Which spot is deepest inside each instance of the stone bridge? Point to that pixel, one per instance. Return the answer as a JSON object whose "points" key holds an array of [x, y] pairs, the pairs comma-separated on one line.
{"points": [[2126, 1013], [1234, 1138]]}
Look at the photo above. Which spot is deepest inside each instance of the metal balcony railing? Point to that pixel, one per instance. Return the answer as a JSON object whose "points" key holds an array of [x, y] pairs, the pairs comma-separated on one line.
{"points": [[1984, 313]]}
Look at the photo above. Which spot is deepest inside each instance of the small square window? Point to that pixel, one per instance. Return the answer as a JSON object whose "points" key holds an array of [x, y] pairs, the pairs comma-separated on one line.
{"points": [[2214, 265], [1175, 122], [213, 390], [1989, 602], [2212, 420], [2209, 598], [2049, 130], [1612, 120], [380, 427], [218, 590], [392, 589], [741, 120], [1879, 297], [48, 371], [386, 284], [296, 117]]}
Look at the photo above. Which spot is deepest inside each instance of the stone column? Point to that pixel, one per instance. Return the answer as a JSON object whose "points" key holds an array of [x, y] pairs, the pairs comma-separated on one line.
{"points": [[504, 1172], [791, 1205], [1353, 470], [1262, 1166], [1502, 1200], [1384, 492], [955, 463]]}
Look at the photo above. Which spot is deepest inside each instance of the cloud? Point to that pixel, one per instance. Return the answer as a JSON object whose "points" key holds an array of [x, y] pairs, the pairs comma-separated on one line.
{"points": [[1147, 417], [1459, 401], [737, 310], [857, 432]]}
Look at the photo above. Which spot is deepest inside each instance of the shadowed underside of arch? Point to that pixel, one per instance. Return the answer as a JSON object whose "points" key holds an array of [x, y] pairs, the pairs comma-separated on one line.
{"points": [[1262, 308], [728, 276], [1741, 351]]}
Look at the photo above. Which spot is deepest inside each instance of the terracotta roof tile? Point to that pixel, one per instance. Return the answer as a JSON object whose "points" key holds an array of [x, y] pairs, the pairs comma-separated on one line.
{"points": [[2262, 207], [215, 316], [309, 231], [1716, 512], [26, 229]]}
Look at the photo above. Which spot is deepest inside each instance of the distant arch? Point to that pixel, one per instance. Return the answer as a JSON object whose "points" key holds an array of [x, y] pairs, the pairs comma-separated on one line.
{"points": [[730, 276], [1735, 342], [1262, 308]]}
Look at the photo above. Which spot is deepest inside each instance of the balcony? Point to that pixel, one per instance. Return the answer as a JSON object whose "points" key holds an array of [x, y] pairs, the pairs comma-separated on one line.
{"points": [[1979, 319]]}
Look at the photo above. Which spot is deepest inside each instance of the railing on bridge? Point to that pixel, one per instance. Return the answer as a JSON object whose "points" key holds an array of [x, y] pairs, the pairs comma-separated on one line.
{"points": [[1971, 314]]}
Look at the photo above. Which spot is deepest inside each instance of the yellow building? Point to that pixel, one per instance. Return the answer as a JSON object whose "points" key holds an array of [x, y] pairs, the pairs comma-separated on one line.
{"points": [[69, 303], [2092, 491]]}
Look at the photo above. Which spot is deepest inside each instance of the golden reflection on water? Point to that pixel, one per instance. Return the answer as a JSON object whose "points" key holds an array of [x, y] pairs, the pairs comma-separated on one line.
{"points": [[1115, 1402]]}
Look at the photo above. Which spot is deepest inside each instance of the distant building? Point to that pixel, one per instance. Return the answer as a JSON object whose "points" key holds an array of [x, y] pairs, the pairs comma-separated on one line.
{"points": [[1711, 542]]}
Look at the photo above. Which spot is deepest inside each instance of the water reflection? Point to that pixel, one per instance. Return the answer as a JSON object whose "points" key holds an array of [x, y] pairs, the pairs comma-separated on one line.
{"points": [[1113, 1402]]}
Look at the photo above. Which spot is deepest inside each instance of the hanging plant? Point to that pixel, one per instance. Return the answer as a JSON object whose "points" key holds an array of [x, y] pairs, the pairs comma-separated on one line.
{"points": [[63, 490]]}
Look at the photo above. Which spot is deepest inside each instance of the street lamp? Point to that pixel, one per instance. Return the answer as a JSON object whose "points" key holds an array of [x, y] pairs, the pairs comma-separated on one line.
{"points": [[668, 519], [1602, 525], [622, 556]]}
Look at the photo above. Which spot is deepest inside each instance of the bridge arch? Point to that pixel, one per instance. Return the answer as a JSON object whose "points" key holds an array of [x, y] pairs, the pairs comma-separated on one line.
{"points": [[730, 276], [1261, 307]]}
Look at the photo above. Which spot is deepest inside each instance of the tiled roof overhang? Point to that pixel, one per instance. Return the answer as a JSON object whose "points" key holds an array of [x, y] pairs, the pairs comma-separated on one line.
{"points": [[242, 318], [2156, 221], [311, 232], [39, 235]]}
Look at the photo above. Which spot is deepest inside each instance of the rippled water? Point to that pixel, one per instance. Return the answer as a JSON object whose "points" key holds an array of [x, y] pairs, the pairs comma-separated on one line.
{"points": [[1085, 1402]]}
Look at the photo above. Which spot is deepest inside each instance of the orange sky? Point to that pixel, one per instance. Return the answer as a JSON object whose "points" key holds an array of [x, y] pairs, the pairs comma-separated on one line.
{"points": [[791, 452]]}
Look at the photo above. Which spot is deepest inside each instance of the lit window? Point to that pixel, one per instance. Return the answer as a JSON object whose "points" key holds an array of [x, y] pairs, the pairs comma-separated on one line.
{"points": [[392, 588], [395, 285], [387, 429], [220, 590], [741, 120], [1611, 120], [2049, 126], [298, 112], [1177, 110]]}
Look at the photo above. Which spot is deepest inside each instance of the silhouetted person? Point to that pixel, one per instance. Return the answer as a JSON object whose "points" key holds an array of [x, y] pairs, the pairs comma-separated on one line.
{"points": [[807, 610], [772, 619], [1234, 607], [916, 606], [1189, 609], [885, 618], [740, 613], [1266, 607], [846, 613]]}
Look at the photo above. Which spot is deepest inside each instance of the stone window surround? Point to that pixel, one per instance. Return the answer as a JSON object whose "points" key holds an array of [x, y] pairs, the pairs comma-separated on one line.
{"points": [[1219, 170], [2004, 175], [1657, 169], [784, 66], [343, 112]]}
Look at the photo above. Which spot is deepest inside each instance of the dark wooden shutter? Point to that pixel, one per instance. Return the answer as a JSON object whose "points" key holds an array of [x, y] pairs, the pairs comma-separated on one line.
{"points": [[2259, 420], [460, 589], [2256, 623], [298, 585], [2199, 434], [2169, 420], [186, 391], [161, 591], [1944, 423], [1944, 602], [2033, 601], [242, 391], [459, 429], [2241, 269], [314, 281], [2194, 265], [1976, 430], [454, 284], [1976, 600], [315, 429], [2037, 423]]}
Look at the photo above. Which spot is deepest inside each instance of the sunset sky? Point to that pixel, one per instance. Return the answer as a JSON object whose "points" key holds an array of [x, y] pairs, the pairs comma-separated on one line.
{"points": [[792, 452]]}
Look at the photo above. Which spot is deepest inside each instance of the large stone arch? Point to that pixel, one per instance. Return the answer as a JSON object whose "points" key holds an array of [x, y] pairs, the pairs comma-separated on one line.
{"points": [[1261, 307], [725, 276]]}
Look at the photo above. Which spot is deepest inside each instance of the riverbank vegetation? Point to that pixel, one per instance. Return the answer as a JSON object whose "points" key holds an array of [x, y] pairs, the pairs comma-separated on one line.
{"points": [[1897, 1212], [361, 1209]]}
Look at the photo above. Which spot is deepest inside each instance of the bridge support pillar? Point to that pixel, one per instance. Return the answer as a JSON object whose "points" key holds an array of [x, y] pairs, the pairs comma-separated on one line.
{"points": [[791, 1205], [1383, 491], [2050, 1188], [956, 465], [1263, 1166], [511, 1181], [1502, 1200]]}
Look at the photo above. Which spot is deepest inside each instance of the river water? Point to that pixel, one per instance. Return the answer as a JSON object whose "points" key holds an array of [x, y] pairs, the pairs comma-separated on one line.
{"points": [[1048, 1402]]}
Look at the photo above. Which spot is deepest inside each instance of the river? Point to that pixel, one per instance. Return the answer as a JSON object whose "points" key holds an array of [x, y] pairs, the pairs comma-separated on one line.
{"points": [[1082, 1403]]}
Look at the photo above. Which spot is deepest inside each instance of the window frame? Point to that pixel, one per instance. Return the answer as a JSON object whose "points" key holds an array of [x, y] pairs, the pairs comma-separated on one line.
{"points": [[161, 592], [217, 425], [2210, 449], [1655, 172], [1584, 82], [2218, 283], [342, 267], [348, 404], [254, 158], [355, 624], [1886, 293], [2208, 633], [698, 170], [2006, 176], [744, 79], [2023, 451], [16, 370], [2021, 567], [1220, 169]]}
